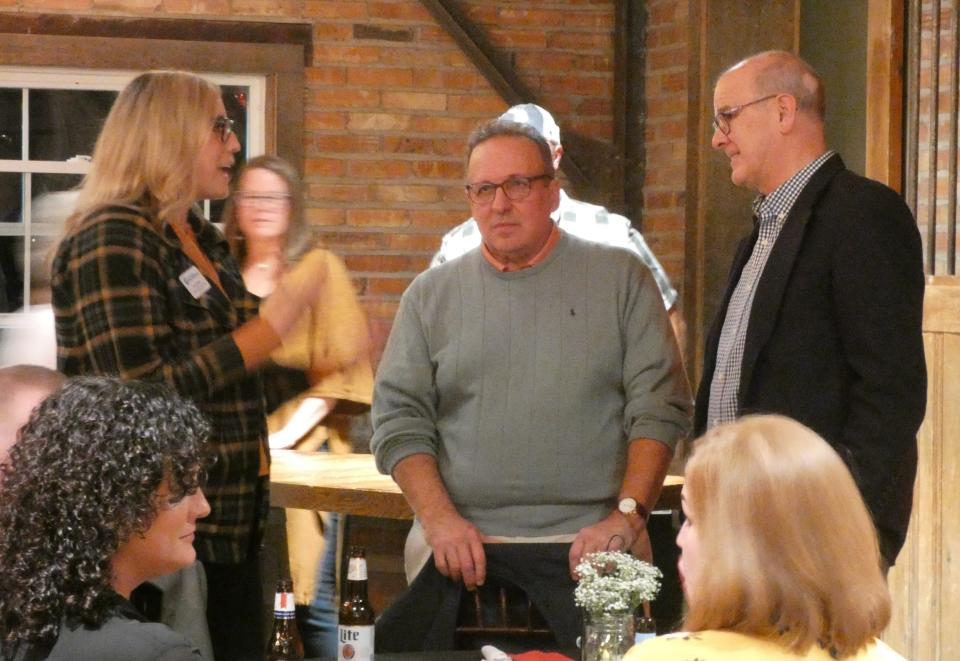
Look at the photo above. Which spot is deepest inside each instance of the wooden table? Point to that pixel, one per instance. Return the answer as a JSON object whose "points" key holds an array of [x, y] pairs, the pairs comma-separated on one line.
{"points": [[350, 483]]}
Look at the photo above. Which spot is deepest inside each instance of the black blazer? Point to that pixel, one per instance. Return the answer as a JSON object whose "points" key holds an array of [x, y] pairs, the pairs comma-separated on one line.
{"points": [[834, 336]]}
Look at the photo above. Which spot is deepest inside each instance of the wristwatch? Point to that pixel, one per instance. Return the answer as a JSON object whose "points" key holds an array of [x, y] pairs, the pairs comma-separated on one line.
{"points": [[630, 507]]}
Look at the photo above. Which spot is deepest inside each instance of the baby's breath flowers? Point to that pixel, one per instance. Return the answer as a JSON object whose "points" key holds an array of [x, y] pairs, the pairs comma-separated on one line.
{"points": [[611, 581]]}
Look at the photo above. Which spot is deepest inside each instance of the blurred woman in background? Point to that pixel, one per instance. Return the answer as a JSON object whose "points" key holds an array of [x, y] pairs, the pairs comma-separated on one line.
{"points": [[779, 557], [144, 287], [102, 491], [316, 381]]}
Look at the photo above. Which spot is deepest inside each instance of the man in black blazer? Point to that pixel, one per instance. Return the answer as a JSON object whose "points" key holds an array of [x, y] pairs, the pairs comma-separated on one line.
{"points": [[821, 319]]}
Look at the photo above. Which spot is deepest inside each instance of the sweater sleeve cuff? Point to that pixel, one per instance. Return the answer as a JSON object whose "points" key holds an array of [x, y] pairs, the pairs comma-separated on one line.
{"points": [[256, 339]]}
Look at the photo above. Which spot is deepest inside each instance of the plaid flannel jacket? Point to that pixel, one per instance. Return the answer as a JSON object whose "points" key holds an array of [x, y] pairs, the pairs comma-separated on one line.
{"points": [[121, 309]]}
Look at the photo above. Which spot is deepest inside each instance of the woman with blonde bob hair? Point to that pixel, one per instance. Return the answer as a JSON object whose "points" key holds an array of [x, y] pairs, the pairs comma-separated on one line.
{"points": [[779, 557], [144, 287]]}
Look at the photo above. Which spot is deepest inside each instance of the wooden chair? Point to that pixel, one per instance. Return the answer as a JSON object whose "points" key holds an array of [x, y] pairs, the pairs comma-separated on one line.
{"points": [[499, 613]]}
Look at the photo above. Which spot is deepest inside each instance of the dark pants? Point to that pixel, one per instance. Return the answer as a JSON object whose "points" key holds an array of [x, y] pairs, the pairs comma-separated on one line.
{"points": [[235, 610]]}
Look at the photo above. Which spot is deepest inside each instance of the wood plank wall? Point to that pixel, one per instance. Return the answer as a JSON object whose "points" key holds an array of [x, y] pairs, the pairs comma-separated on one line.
{"points": [[925, 583]]}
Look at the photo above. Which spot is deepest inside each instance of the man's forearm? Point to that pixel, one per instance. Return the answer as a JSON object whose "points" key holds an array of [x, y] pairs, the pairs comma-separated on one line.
{"points": [[419, 479], [647, 463]]}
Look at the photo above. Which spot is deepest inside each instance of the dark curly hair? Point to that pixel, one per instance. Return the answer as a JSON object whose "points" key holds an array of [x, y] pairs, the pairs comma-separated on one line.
{"points": [[81, 479]]}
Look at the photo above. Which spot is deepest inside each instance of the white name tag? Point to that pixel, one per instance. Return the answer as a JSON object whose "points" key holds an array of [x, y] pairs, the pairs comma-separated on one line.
{"points": [[194, 281]]}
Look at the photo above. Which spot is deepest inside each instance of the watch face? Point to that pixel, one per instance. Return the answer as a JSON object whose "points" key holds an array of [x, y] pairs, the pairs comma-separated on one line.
{"points": [[628, 506]]}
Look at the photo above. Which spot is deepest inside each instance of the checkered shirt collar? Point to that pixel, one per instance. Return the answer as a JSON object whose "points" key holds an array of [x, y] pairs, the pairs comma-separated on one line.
{"points": [[779, 203]]}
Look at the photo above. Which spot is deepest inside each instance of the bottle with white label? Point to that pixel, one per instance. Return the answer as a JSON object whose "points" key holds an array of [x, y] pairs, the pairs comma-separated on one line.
{"points": [[285, 643], [355, 628]]}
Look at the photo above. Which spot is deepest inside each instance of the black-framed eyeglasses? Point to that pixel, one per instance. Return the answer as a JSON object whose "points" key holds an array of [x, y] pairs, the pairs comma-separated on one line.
{"points": [[223, 125], [246, 199], [515, 188], [721, 121]]}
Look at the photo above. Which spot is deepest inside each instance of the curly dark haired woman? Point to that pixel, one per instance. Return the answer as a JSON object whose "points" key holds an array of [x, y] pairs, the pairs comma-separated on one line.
{"points": [[100, 493]]}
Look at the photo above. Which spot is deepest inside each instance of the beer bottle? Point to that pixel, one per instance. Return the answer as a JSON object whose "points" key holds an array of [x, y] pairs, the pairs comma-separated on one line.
{"points": [[355, 628], [285, 643]]}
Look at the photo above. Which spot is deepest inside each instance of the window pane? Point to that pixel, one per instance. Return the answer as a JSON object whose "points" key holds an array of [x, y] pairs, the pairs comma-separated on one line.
{"points": [[11, 123], [11, 187], [54, 197], [11, 273], [65, 123]]}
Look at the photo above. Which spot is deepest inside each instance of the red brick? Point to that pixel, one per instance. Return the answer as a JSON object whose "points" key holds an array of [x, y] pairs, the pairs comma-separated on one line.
{"points": [[366, 144], [406, 193], [407, 56], [490, 104], [511, 38], [447, 78], [393, 286], [266, 7], [580, 41], [338, 192], [57, 4], [414, 100], [378, 169], [328, 9], [344, 241], [380, 77], [326, 31], [210, 8], [438, 169], [325, 75], [324, 215], [410, 10], [381, 263], [581, 85], [325, 167], [339, 97], [346, 54], [314, 120], [378, 121], [445, 218], [378, 217], [424, 243], [437, 124]]}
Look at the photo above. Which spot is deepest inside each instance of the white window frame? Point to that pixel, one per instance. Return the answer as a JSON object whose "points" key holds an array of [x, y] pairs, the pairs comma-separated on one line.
{"points": [[21, 77]]}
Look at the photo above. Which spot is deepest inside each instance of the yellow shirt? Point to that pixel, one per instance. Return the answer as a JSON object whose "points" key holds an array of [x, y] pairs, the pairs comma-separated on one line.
{"points": [[730, 646]]}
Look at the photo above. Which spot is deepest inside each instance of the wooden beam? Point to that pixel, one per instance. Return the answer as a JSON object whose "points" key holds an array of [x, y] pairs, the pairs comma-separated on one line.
{"points": [[885, 92]]}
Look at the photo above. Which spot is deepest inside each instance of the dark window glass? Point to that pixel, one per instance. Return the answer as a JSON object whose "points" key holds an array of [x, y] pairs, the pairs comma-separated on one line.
{"points": [[65, 123], [11, 123]]}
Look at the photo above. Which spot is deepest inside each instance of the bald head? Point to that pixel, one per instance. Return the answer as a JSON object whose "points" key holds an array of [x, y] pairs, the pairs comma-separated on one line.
{"points": [[23, 387], [782, 72]]}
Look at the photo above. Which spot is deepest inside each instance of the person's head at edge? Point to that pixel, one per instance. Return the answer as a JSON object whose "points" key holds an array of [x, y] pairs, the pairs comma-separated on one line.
{"points": [[23, 388], [101, 492], [503, 153], [769, 118], [539, 118], [267, 175], [165, 144], [778, 542]]}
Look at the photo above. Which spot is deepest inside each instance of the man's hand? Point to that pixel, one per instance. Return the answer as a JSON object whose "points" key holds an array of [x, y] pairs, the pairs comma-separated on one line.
{"points": [[614, 533], [457, 549]]}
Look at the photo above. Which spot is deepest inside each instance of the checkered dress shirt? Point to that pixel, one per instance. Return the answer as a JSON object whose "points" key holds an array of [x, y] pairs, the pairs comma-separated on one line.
{"points": [[769, 212], [121, 309]]}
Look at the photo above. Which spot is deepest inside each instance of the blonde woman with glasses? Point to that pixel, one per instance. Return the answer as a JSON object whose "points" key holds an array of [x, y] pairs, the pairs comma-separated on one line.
{"points": [[779, 557], [316, 381], [144, 287]]}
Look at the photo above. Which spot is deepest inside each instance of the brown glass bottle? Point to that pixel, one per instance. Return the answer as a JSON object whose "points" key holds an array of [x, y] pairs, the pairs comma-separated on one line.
{"points": [[355, 627], [285, 643]]}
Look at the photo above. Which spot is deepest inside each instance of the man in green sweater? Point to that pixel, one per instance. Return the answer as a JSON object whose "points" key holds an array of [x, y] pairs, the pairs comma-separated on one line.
{"points": [[531, 390]]}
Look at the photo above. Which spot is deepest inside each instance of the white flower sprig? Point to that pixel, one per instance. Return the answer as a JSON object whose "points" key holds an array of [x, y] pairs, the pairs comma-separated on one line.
{"points": [[612, 581]]}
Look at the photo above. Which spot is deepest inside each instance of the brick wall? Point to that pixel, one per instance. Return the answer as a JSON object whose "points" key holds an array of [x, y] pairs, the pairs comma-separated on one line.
{"points": [[389, 100], [665, 134]]}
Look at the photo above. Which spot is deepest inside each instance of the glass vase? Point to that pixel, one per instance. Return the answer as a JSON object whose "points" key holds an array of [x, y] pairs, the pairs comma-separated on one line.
{"points": [[606, 636]]}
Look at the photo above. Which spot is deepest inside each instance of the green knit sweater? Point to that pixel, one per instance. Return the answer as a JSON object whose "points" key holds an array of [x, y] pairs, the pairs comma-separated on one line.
{"points": [[527, 386]]}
